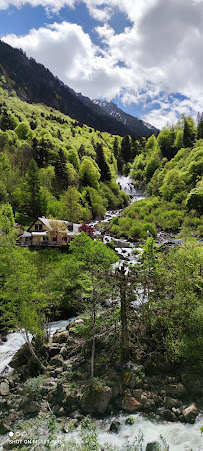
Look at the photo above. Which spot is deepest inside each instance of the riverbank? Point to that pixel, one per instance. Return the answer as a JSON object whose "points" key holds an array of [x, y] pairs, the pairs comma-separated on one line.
{"points": [[152, 397]]}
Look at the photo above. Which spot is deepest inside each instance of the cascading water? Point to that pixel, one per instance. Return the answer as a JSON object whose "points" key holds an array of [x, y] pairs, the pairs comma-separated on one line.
{"points": [[179, 437]]}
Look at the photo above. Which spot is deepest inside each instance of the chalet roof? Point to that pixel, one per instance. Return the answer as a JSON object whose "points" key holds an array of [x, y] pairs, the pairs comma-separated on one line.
{"points": [[49, 223], [25, 234]]}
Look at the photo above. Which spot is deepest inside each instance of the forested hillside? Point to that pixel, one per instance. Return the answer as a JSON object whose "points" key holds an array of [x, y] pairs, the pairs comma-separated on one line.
{"points": [[52, 165], [170, 169]]}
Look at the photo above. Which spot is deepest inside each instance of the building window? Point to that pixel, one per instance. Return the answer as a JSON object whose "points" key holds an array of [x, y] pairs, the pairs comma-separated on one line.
{"points": [[64, 238], [36, 226], [40, 226]]}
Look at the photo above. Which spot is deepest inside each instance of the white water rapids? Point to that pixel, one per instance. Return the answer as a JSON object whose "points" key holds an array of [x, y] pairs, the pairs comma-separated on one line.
{"points": [[179, 437]]}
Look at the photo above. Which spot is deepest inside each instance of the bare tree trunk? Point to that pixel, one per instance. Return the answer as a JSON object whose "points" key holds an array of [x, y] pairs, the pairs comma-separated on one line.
{"points": [[93, 339], [124, 317]]}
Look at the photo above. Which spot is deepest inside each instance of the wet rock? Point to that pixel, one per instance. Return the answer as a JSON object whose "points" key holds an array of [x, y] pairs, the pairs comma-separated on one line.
{"points": [[169, 416], [4, 388], [190, 413], [96, 399], [153, 446], [115, 426], [131, 404], [130, 420], [176, 390]]}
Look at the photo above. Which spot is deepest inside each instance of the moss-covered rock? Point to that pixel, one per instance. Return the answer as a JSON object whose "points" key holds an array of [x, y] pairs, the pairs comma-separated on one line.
{"points": [[96, 399]]}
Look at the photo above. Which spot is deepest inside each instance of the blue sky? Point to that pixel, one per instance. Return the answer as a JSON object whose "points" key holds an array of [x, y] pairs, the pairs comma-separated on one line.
{"points": [[145, 56]]}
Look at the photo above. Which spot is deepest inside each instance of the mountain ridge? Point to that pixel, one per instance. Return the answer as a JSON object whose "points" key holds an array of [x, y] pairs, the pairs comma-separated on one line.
{"points": [[36, 84], [132, 122]]}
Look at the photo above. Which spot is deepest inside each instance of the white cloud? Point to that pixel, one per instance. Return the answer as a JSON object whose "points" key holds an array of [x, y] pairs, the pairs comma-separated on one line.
{"points": [[160, 51]]}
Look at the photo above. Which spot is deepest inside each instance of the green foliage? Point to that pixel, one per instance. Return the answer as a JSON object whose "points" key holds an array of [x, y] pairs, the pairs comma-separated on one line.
{"points": [[45, 135]]}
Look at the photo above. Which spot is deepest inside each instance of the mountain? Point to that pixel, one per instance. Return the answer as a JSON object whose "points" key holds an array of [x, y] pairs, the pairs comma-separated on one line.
{"points": [[135, 125], [36, 84]]}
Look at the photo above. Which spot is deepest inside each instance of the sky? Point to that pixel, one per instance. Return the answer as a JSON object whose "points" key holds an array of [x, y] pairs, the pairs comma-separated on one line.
{"points": [[144, 55]]}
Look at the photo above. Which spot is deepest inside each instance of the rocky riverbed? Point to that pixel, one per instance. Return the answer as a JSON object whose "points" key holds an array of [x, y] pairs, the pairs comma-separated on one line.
{"points": [[67, 390]]}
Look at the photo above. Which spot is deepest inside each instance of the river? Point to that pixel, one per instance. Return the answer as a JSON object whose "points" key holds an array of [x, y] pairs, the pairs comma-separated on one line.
{"points": [[179, 437]]}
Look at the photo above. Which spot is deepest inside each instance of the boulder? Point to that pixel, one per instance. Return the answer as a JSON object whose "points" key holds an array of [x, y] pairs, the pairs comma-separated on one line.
{"points": [[153, 446], [190, 413], [60, 336], [54, 349], [115, 426], [4, 388], [32, 407], [169, 415], [64, 352], [131, 404], [176, 390], [193, 381], [170, 402], [57, 360], [21, 357], [96, 399]]}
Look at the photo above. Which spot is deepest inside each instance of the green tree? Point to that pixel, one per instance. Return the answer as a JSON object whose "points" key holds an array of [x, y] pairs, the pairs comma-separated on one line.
{"points": [[33, 188], [103, 165], [97, 259], [89, 173], [72, 209], [188, 132], [23, 293]]}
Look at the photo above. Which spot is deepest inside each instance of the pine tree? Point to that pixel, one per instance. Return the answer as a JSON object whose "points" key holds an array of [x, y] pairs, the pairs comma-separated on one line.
{"points": [[33, 185], [101, 161], [61, 170], [126, 152], [200, 129]]}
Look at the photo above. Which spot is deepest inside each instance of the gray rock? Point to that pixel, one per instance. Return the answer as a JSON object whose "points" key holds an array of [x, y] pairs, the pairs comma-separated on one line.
{"points": [[54, 350], [193, 381], [190, 413], [4, 388], [169, 416], [170, 402], [96, 399], [57, 360], [60, 336], [176, 390], [137, 393], [64, 352], [33, 407]]}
